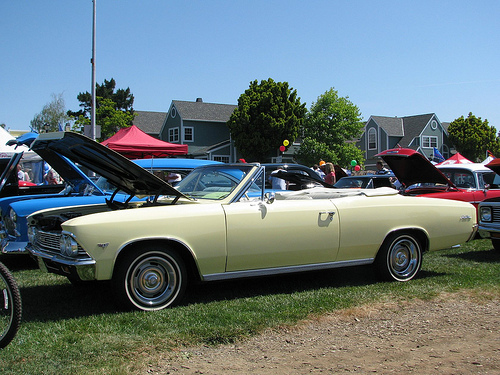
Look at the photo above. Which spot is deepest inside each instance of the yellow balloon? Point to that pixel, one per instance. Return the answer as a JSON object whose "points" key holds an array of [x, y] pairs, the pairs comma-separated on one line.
{"points": [[285, 142]]}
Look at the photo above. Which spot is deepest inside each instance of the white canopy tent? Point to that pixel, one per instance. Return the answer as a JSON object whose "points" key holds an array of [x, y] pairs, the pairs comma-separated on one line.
{"points": [[7, 151]]}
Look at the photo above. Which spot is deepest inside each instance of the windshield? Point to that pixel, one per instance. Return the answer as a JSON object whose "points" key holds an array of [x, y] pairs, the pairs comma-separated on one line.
{"points": [[213, 182]]}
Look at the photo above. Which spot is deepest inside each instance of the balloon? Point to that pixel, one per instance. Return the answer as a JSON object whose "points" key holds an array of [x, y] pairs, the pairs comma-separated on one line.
{"points": [[282, 148], [357, 168], [353, 162], [285, 142]]}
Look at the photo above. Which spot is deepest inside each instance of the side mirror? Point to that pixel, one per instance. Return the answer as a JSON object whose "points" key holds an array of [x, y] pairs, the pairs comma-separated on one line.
{"points": [[269, 198]]}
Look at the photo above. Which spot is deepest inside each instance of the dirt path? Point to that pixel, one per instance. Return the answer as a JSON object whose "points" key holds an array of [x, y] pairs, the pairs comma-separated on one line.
{"points": [[454, 334]]}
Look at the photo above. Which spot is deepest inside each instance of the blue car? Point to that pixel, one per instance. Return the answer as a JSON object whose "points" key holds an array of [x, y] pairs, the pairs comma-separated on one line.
{"points": [[80, 190]]}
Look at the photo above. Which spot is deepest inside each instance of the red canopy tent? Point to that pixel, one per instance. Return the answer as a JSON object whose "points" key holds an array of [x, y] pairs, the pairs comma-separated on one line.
{"points": [[456, 159], [133, 143]]}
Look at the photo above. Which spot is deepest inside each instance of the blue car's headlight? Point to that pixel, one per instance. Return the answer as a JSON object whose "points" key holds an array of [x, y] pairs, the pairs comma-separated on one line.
{"points": [[68, 245], [13, 216]]}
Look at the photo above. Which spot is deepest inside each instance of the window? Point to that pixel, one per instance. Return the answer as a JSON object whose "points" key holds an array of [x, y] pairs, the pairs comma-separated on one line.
{"points": [[188, 134], [429, 141], [223, 159], [434, 124], [173, 113], [173, 135], [372, 139]]}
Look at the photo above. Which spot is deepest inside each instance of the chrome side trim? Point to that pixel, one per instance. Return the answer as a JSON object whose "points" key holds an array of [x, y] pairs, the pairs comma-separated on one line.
{"points": [[284, 270]]}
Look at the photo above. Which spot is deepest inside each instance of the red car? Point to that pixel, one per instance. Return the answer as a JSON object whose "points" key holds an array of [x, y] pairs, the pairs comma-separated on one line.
{"points": [[471, 182]]}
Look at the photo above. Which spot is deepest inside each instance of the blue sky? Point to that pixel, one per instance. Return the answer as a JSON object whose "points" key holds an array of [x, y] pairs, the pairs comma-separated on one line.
{"points": [[391, 58]]}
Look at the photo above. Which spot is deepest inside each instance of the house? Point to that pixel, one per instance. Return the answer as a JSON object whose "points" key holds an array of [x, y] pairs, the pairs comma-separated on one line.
{"points": [[201, 126], [421, 132], [150, 122]]}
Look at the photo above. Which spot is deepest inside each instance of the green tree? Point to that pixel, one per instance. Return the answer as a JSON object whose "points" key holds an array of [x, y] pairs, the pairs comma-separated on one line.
{"points": [[330, 129], [52, 117], [114, 109], [268, 113], [472, 137], [110, 119]]}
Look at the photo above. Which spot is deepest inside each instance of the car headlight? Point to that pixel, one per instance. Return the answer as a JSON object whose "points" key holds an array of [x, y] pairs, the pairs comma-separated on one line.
{"points": [[68, 245], [13, 216], [31, 235], [485, 214]]}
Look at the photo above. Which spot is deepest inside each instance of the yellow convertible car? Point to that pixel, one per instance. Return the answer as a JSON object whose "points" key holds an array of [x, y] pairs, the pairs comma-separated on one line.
{"points": [[221, 223]]}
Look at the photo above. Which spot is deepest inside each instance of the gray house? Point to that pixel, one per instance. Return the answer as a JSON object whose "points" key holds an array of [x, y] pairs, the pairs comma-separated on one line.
{"points": [[422, 133], [201, 126]]}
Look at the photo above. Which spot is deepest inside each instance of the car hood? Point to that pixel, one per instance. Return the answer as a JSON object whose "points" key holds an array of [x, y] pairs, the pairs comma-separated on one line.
{"points": [[118, 170], [69, 172], [494, 165], [410, 167]]}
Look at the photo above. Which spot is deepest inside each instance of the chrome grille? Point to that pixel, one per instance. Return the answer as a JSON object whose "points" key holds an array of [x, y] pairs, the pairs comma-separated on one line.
{"points": [[495, 210], [49, 242]]}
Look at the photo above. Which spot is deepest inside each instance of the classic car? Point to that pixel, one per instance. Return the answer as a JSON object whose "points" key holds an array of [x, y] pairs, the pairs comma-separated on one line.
{"points": [[489, 212], [219, 223], [464, 182], [80, 190], [369, 181]]}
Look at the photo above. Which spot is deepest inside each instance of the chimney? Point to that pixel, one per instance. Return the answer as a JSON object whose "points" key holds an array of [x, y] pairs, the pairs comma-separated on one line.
{"points": [[199, 100]]}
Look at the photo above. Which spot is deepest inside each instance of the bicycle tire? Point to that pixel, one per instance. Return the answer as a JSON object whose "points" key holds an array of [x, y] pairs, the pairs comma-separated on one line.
{"points": [[10, 306]]}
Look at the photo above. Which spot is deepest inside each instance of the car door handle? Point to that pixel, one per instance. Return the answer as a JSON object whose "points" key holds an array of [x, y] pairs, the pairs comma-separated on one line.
{"points": [[329, 213]]}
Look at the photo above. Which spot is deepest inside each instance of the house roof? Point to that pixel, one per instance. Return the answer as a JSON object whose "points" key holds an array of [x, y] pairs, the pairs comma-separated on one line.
{"points": [[414, 126], [392, 125], [204, 150], [149, 122], [407, 127], [200, 111]]}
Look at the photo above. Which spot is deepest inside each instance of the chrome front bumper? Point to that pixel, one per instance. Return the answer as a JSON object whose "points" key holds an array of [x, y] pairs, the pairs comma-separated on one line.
{"points": [[55, 263]]}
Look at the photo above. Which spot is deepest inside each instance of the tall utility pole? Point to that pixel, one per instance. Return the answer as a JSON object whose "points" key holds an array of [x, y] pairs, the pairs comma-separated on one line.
{"points": [[92, 112]]}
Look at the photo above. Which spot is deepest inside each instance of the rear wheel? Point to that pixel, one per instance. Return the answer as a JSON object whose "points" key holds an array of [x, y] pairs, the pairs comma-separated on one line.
{"points": [[399, 258], [150, 279]]}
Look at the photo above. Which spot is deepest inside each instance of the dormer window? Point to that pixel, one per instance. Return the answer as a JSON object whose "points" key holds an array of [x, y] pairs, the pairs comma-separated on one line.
{"points": [[372, 139]]}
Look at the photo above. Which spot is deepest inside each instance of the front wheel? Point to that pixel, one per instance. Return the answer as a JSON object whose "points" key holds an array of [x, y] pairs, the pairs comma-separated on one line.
{"points": [[150, 279], [399, 258], [10, 307]]}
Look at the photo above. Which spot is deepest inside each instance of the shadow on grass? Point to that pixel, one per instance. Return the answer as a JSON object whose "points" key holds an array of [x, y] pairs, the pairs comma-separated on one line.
{"points": [[18, 262], [65, 301], [484, 256]]}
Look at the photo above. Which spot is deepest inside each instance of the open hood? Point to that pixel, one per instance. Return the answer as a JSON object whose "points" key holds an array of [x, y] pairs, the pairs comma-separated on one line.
{"points": [[410, 167], [118, 170]]}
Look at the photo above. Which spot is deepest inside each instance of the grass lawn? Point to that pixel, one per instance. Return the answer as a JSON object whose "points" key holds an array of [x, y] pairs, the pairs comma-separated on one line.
{"points": [[78, 330]]}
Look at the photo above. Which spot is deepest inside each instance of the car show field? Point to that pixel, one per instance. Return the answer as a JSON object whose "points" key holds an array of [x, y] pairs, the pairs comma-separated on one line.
{"points": [[231, 276]]}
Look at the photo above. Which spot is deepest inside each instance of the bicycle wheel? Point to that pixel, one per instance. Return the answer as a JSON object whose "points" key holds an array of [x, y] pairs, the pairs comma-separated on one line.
{"points": [[10, 306]]}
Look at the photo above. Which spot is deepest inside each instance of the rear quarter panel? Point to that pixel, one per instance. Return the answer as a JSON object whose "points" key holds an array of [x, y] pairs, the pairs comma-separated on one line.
{"points": [[366, 221]]}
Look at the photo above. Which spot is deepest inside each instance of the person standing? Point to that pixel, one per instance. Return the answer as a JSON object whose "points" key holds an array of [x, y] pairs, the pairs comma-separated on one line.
{"points": [[330, 173]]}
